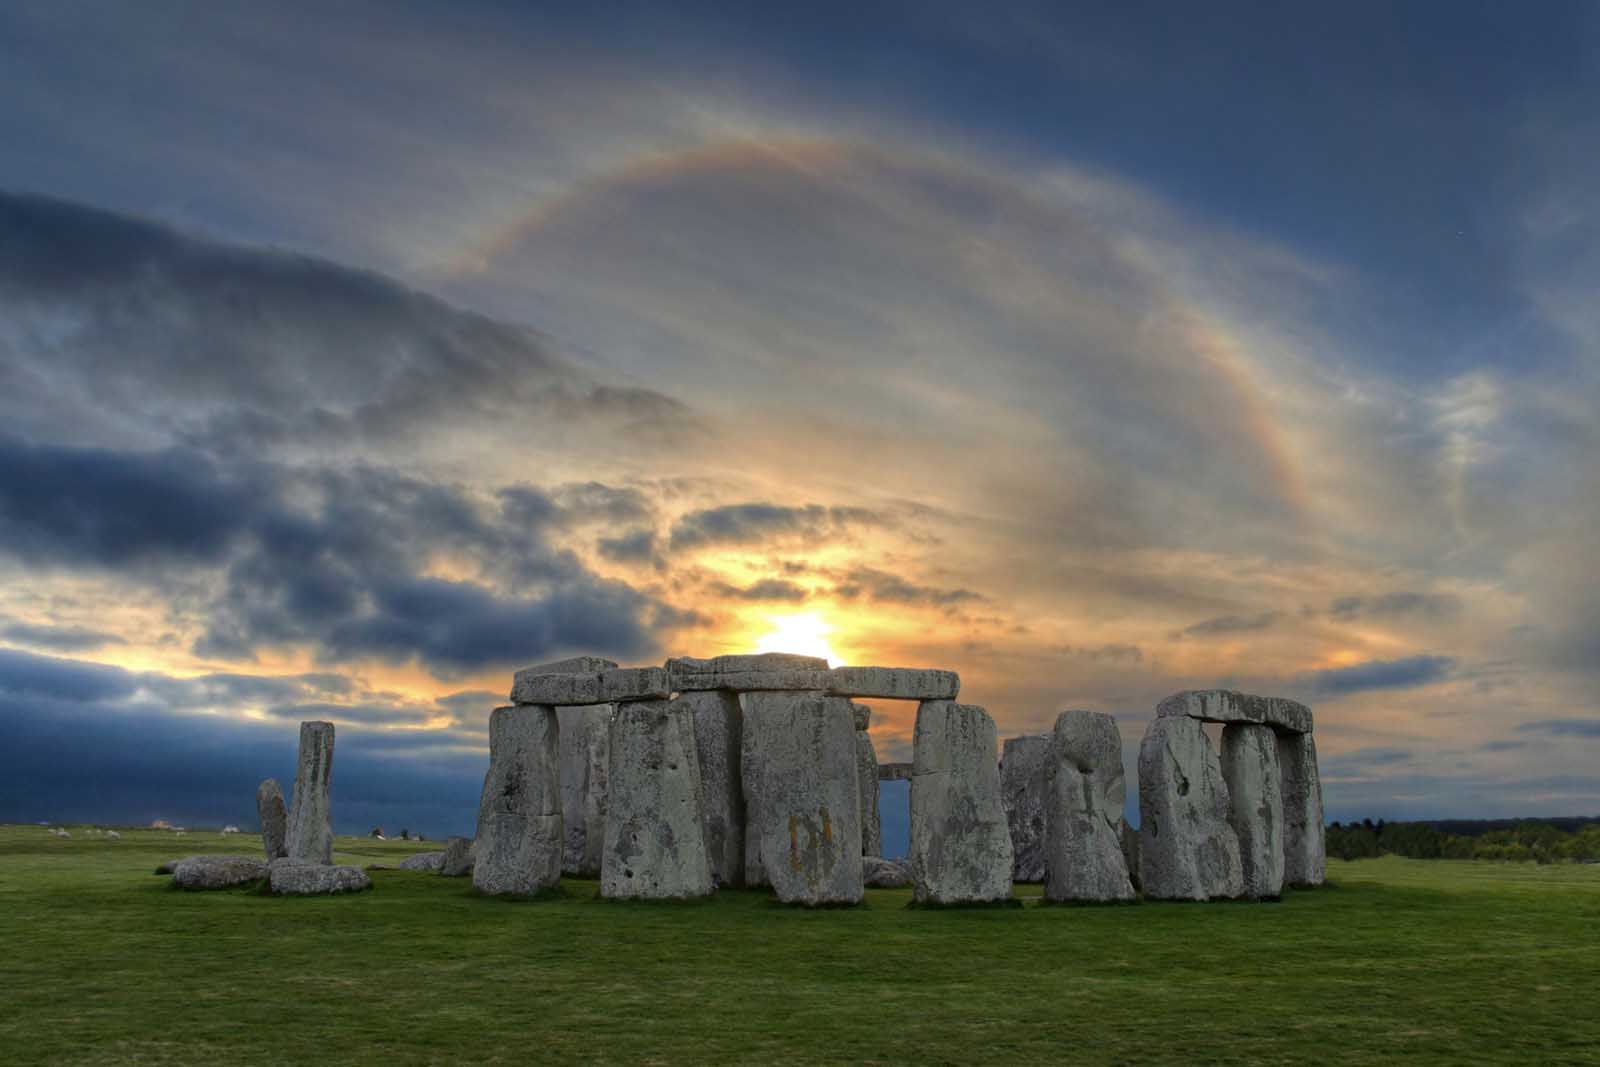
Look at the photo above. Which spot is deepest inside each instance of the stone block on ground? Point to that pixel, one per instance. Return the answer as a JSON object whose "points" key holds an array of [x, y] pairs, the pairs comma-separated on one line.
{"points": [[879, 873], [1226, 706], [290, 877], [585, 774], [718, 738], [1025, 764], [655, 846], [960, 843], [1304, 843], [423, 861], [609, 686], [217, 872], [802, 798], [457, 858], [1083, 856], [1187, 847], [274, 818], [519, 840], [1255, 805], [310, 835]]}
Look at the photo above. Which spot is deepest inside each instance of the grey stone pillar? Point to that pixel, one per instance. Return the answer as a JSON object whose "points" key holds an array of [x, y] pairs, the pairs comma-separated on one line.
{"points": [[585, 772], [1025, 764], [655, 817], [274, 819], [310, 836], [1187, 849], [519, 840], [1304, 846], [718, 738], [867, 776], [1083, 857], [1255, 806], [960, 844]]}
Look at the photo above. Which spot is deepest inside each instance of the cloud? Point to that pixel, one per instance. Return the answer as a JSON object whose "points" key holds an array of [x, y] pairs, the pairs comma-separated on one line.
{"points": [[635, 546], [1502, 746], [1430, 605], [1231, 624], [885, 588], [766, 589], [1379, 674], [1114, 653], [57, 638], [1563, 727], [747, 524]]}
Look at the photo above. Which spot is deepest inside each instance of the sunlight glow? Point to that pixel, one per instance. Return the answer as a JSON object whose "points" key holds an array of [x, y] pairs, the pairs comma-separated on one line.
{"points": [[805, 635]]}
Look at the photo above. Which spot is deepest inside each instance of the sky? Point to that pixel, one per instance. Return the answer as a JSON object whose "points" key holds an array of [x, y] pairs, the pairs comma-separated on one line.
{"points": [[354, 356]]}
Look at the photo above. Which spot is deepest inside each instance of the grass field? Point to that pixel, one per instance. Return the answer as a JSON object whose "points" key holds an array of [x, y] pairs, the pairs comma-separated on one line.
{"points": [[1443, 962]]}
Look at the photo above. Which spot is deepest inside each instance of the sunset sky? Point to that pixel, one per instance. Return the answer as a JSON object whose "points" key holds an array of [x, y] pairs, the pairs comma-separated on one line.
{"points": [[353, 356]]}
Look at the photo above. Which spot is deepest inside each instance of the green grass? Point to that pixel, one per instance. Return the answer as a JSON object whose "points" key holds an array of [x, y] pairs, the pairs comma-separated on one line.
{"points": [[1443, 962]]}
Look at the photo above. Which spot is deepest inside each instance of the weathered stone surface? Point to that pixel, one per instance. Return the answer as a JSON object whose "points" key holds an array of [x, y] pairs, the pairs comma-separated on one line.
{"points": [[292, 878], [1304, 845], [863, 716], [695, 675], [867, 780], [217, 872], [655, 820], [1187, 848], [1255, 806], [960, 844], [1083, 836], [889, 683], [573, 665], [1025, 764], [1130, 855], [802, 799], [310, 836], [423, 861], [1226, 706], [274, 819], [592, 687], [894, 772], [718, 738], [585, 774], [171, 865], [519, 840], [879, 873], [458, 856]]}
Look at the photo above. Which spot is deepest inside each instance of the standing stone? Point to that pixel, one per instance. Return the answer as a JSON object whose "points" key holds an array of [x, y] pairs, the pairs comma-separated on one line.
{"points": [[867, 776], [585, 771], [655, 819], [1187, 849], [960, 844], [1255, 806], [456, 861], [519, 840], [274, 819], [718, 738], [802, 798], [1083, 838], [1304, 847], [310, 837], [1025, 764], [1130, 855]]}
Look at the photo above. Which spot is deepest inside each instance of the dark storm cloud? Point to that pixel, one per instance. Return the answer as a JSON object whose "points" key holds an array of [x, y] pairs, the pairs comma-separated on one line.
{"points": [[885, 588], [637, 546], [1429, 605], [766, 589], [1231, 624], [1379, 674], [746, 524], [56, 638], [597, 502], [80, 741], [1563, 727]]}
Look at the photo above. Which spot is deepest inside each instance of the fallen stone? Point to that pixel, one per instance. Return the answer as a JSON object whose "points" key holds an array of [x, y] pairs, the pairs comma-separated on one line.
{"points": [[1083, 839], [718, 737], [1187, 848], [1305, 854], [867, 780], [171, 865], [894, 772], [802, 798], [217, 872], [274, 819], [585, 740], [457, 858], [593, 687], [1255, 806], [1226, 706], [519, 840], [960, 844], [310, 835], [879, 873], [290, 877], [1025, 764], [697, 675], [655, 821], [423, 861]]}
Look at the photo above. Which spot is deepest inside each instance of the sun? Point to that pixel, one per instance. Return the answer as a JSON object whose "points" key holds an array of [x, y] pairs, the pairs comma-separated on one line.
{"points": [[805, 635]]}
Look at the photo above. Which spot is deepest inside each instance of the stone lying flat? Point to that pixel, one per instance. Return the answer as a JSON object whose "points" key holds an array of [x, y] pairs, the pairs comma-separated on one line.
{"points": [[867, 781], [802, 799], [310, 833], [879, 873], [655, 845], [519, 839], [894, 772], [960, 844], [585, 773], [609, 686], [1304, 845], [689, 674], [1255, 805], [217, 872], [1226, 706], [1187, 847], [1083, 812], [887, 683], [718, 738], [423, 861], [456, 859], [292, 878], [171, 865], [274, 819], [1025, 764]]}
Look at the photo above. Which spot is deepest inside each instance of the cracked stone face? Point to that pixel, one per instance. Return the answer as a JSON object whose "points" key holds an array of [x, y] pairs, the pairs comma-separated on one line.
{"points": [[1187, 848]]}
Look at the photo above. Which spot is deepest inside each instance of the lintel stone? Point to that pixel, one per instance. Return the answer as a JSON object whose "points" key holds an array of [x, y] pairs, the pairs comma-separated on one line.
{"points": [[608, 686], [1227, 707]]}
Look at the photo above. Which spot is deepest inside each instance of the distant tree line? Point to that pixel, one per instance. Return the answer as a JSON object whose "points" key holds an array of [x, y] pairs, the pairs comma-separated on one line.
{"points": [[1519, 840]]}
